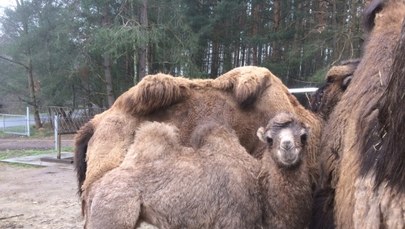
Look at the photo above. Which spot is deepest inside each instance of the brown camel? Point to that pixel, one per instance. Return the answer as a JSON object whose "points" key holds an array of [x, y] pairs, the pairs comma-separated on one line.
{"points": [[215, 185], [337, 79], [362, 166], [243, 99]]}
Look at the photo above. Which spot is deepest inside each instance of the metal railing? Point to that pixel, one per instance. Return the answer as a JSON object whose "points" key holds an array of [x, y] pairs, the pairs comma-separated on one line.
{"points": [[302, 90], [15, 124]]}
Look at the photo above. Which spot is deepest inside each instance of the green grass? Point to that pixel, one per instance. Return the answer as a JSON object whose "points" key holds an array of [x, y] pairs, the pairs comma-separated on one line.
{"points": [[29, 152], [20, 165], [43, 132]]}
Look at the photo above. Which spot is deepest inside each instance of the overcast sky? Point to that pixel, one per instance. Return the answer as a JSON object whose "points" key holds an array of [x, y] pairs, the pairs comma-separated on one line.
{"points": [[6, 3]]}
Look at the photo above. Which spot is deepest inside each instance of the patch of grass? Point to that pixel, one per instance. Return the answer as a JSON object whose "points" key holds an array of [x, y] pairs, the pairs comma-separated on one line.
{"points": [[68, 149], [20, 153], [19, 165], [29, 152], [42, 132]]}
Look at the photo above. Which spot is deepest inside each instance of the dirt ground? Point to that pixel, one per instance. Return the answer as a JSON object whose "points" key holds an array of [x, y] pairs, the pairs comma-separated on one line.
{"points": [[38, 197], [42, 197], [29, 143]]}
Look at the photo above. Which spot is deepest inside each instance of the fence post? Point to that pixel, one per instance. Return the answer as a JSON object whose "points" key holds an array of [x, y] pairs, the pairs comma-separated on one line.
{"points": [[57, 136], [4, 123], [28, 122]]}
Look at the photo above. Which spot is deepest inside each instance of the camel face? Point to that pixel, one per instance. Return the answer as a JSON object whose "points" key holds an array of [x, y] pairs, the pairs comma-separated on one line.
{"points": [[286, 137], [289, 152]]}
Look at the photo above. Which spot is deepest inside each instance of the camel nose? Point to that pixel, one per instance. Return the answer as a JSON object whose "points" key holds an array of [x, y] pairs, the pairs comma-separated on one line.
{"points": [[287, 145]]}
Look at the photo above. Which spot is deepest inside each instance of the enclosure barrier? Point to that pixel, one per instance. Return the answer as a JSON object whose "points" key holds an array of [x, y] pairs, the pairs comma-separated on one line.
{"points": [[16, 124], [67, 120], [302, 90]]}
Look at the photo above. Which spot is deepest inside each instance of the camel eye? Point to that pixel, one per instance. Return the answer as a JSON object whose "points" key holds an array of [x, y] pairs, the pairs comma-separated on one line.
{"points": [[269, 141], [304, 138]]}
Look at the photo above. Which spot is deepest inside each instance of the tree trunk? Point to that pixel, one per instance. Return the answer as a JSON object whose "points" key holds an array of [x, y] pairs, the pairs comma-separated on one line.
{"points": [[108, 79], [320, 15], [276, 50], [255, 31], [107, 60], [38, 123], [335, 35], [215, 60], [142, 51], [30, 72]]}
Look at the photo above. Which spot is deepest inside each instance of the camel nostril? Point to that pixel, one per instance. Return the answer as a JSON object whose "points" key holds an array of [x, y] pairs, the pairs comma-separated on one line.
{"points": [[287, 145]]}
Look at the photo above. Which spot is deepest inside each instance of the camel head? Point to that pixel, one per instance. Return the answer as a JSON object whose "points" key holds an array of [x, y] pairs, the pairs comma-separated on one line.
{"points": [[337, 80], [286, 138]]}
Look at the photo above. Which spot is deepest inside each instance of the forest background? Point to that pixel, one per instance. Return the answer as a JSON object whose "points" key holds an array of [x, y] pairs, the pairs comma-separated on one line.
{"points": [[82, 53]]}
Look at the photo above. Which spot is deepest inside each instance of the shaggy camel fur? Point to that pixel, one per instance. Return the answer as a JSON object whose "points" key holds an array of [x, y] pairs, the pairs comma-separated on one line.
{"points": [[364, 193], [215, 185], [337, 79], [323, 102], [243, 99]]}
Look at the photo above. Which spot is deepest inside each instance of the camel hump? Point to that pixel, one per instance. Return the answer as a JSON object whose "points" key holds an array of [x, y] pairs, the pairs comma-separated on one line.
{"points": [[153, 141], [209, 132], [247, 83], [152, 93], [153, 132]]}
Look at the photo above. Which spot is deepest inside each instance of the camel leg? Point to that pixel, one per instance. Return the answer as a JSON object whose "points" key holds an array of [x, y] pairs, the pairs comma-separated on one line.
{"points": [[116, 202]]}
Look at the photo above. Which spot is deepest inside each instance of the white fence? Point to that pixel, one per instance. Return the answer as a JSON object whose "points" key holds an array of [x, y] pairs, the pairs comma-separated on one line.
{"points": [[302, 90], [15, 124]]}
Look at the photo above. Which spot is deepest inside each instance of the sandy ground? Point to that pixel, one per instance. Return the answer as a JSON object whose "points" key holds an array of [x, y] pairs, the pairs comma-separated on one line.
{"points": [[26, 143], [44, 197], [38, 197]]}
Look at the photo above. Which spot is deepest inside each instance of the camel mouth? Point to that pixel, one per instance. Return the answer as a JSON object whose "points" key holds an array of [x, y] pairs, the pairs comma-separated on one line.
{"points": [[289, 157], [287, 148]]}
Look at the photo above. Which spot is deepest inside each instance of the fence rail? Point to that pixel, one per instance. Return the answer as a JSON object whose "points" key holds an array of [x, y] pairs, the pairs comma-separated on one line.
{"points": [[15, 124]]}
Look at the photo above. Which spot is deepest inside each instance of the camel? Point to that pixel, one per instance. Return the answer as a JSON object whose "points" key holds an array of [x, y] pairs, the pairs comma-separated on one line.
{"points": [[213, 184], [337, 80], [362, 160], [243, 99], [322, 102]]}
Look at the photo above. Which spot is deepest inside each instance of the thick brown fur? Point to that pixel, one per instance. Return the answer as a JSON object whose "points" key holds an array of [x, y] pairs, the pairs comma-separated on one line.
{"points": [[242, 99], [337, 79], [160, 91], [215, 185], [360, 200], [323, 102], [382, 138]]}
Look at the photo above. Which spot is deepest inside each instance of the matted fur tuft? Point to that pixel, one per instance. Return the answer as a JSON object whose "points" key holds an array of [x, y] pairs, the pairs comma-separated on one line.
{"points": [[152, 93], [247, 83], [160, 91], [145, 140]]}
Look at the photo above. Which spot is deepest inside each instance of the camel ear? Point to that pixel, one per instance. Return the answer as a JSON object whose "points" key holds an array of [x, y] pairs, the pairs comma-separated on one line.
{"points": [[260, 134], [370, 12], [264, 136], [346, 82]]}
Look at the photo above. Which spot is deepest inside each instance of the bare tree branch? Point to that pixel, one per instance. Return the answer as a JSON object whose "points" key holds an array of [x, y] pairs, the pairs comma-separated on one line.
{"points": [[14, 62]]}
